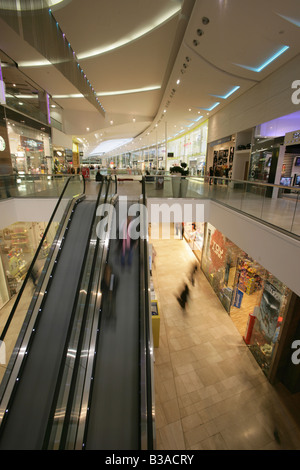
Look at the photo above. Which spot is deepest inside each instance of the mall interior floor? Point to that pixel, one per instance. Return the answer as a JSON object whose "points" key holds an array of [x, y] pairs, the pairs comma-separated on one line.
{"points": [[209, 391]]}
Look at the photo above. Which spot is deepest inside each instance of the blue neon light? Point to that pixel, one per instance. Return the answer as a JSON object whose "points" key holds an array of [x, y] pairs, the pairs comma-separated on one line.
{"points": [[211, 108], [228, 94], [291, 20], [267, 62]]}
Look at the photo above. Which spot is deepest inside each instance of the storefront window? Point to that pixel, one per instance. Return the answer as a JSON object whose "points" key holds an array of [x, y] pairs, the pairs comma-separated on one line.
{"points": [[218, 263], [30, 149], [194, 235], [18, 244], [268, 320], [254, 298]]}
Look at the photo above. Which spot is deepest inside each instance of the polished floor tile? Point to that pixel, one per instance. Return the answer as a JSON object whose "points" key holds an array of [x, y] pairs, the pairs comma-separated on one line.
{"points": [[210, 393]]}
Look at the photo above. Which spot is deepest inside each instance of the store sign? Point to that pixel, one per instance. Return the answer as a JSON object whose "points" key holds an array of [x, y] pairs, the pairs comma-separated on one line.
{"points": [[31, 144], [238, 298], [217, 250]]}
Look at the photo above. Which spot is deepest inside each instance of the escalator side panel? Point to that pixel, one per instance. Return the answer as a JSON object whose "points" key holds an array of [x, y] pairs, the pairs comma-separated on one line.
{"points": [[27, 419]]}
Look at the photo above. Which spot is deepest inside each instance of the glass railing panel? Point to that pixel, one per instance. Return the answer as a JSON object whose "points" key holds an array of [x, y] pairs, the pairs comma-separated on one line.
{"points": [[15, 325], [25, 185], [253, 199], [273, 204]]}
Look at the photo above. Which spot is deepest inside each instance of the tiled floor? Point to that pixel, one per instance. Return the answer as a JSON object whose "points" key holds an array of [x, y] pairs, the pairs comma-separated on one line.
{"points": [[209, 391]]}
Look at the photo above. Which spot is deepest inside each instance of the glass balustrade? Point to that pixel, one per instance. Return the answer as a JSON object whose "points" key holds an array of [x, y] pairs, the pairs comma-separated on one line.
{"points": [[273, 204], [26, 185]]}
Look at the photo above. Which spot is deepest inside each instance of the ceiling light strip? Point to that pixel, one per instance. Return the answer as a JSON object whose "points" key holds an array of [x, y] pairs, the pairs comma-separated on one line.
{"points": [[224, 97], [267, 62]]}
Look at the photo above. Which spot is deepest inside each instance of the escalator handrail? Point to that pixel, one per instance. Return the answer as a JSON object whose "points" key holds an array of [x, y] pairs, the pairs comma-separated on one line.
{"points": [[64, 356], [82, 434], [28, 274], [148, 340]]}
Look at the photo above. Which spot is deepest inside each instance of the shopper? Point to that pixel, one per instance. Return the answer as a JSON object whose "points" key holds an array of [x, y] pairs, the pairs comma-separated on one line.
{"points": [[127, 242], [183, 298], [99, 177], [193, 273]]}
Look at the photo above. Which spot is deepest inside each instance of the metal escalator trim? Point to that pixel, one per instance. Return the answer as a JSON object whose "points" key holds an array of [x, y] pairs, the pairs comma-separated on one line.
{"points": [[87, 389], [147, 347], [51, 418]]}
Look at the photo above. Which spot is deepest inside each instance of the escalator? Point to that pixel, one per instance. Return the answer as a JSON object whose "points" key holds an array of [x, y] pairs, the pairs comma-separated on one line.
{"points": [[29, 383], [104, 398], [80, 376]]}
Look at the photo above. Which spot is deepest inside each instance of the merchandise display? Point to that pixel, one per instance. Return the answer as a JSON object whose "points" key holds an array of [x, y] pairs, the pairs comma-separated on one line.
{"points": [[269, 319], [255, 300], [18, 244], [249, 281], [194, 235]]}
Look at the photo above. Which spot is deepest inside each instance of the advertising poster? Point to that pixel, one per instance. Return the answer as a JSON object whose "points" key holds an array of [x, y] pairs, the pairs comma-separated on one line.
{"points": [[269, 310], [238, 298]]}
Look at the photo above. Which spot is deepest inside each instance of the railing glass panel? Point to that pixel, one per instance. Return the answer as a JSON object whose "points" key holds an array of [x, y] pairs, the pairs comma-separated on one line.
{"points": [[270, 203]]}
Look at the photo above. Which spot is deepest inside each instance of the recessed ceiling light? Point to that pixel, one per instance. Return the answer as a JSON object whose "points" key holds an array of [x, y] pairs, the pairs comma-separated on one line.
{"points": [[178, 81]]}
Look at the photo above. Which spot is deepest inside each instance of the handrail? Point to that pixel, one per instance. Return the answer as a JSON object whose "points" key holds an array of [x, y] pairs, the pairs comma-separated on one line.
{"points": [[231, 180], [147, 347], [259, 183]]}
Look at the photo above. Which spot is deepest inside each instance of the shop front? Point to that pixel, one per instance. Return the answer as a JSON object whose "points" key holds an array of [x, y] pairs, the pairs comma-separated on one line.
{"points": [[194, 235], [30, 148], [256, 301], [18, 244], [190, 148]]}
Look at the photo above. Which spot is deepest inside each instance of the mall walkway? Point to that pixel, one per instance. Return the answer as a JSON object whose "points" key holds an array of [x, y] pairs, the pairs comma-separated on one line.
{"points": [[209, 391]]}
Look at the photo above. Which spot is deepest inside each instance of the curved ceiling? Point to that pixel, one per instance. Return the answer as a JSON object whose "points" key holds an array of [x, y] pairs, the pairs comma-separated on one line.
{"points": [[134, 53]]}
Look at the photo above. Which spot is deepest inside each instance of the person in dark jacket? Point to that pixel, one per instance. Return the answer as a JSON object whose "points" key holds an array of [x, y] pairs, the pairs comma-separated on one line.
{"points": [[98, 176]]}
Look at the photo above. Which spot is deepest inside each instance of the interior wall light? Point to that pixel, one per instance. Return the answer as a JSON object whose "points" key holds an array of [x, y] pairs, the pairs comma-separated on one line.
{"points": [[267, 62], [224, 97], [211, 108]]}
